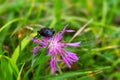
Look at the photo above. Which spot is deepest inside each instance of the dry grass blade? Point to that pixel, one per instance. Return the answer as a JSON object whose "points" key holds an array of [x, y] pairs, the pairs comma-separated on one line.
{"points": [[106, 48], [80, 30], [29, 27]]}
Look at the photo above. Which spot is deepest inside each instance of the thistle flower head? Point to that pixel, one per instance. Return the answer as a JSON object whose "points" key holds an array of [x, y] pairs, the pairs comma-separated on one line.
{"points": [[56, 46]]}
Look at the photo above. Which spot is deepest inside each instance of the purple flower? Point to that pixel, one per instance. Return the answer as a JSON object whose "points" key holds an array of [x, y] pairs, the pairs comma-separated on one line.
{"points": [[56, 46], [42, 43]]}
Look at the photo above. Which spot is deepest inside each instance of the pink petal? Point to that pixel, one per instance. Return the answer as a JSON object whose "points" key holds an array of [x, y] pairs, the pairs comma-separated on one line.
{"points": [[70, 30], [73, 44], [72, 55], [46, 38], [51, 51], [64, 30], [53, 67], [59, 51], [44, 42], [35, 49], [34, 40], [58, 37], [66, 61], [70, 60]]}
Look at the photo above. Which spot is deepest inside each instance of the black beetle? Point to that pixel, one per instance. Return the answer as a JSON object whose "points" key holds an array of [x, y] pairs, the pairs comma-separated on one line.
{"points": [[46, 32]]}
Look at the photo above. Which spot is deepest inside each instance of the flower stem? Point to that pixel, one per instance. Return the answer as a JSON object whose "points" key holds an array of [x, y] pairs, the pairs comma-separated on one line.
{"points": [[58, 67]]}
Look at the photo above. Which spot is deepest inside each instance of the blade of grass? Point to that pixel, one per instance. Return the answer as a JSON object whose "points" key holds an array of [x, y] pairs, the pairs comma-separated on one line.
{"points": [[58, 11], [115, 5], [30, 10], [80, 30], [5, 31], [24, 43], [13, 67], [18, 78], [104, 12], [73, 74], [106, 48], [11, 7], [10, 22], [82, 19]]}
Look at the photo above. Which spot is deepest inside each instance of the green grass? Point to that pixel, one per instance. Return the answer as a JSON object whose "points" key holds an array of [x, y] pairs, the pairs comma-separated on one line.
{"points": [[99, 52]]}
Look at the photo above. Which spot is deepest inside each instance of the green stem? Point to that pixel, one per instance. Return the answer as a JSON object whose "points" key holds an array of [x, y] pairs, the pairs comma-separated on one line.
{"points": [[58, 67]]}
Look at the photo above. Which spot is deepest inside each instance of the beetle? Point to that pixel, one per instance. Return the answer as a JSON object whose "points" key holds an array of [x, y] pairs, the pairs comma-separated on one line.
{"points": [[46, 32]]}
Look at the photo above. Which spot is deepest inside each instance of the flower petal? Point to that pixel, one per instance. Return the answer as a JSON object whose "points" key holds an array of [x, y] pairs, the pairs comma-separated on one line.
{"points": [[73, 44], [46, 38], [64, 30], [44, 42], [66, 61], [34, 40], [52, 64], [70, 30], [72, 55], [70, 60], [35, 49], [58, 37]]}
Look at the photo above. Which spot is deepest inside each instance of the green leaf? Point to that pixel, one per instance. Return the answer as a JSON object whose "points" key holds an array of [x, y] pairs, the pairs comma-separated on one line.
{"points": [[23, 44], [10, 22]]}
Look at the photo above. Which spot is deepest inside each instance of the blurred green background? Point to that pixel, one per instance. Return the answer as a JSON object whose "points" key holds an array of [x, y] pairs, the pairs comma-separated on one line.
{"points": [[99, 52]]}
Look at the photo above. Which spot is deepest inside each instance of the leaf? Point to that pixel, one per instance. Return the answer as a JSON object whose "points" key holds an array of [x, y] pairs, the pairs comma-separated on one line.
{"points": [[23, 44], [73, 74], [10, 22], [18, 78]]}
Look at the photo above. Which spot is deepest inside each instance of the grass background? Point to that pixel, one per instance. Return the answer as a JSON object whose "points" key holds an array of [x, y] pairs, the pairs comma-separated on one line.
{"points": [[99, 51]]}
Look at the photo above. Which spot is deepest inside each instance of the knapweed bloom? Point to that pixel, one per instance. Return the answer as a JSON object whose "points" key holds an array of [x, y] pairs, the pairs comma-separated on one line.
{"points": [[56, 47]]}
